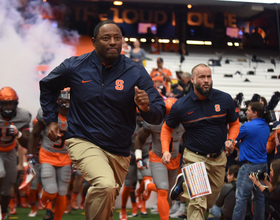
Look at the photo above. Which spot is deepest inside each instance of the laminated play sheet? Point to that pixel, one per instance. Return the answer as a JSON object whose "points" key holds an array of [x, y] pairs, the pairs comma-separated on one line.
{"points": [[196, 180]]}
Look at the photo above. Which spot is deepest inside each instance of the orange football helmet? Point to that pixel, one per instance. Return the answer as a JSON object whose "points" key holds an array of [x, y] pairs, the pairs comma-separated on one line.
{"points": [[168, 103], [8, 102]]}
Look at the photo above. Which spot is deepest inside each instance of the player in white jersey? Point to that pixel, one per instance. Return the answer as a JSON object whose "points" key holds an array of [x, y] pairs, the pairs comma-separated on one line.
{"points": [[14, 126], [54, 159], [164, 174]]}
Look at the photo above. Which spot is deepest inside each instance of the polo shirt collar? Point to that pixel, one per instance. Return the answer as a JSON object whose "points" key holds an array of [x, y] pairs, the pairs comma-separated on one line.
{"points": [[99, 62], [194, 96]]}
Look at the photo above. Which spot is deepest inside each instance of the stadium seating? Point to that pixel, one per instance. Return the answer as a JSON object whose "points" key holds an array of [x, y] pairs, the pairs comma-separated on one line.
{"points": [[230, 76]]}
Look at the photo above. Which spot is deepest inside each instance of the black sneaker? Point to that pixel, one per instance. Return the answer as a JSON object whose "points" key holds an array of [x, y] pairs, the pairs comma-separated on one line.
{"points": [[49, 215], [177, 189], [183, 216]]}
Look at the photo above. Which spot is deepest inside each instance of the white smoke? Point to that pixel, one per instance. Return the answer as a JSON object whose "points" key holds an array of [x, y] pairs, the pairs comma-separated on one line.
{"points": [[27, 40]]}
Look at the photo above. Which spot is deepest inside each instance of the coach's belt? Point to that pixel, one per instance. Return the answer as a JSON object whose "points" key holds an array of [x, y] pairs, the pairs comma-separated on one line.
{"points": [[212, 155]]}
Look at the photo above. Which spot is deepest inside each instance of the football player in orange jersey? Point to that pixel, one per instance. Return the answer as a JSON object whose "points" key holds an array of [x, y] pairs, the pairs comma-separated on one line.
{"points": [[14, 126], [54, 159]]}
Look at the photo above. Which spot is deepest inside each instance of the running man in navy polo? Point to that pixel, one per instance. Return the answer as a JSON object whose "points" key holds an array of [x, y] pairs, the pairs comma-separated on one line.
{"points": [[106, 88], [205, 114]]}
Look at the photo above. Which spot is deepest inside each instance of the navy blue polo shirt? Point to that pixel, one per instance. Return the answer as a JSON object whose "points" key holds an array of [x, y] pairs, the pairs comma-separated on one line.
{"points": [[205, 121]]}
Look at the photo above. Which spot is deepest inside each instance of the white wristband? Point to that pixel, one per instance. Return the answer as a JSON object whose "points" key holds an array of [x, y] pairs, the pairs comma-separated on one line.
{"points": [[19, 134], [138, 154], [25, 164]]}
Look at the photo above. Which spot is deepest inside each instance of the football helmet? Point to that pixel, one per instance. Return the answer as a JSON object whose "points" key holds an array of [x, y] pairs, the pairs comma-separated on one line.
{"points": [[64, 98], [8, 102], [168, 103]]}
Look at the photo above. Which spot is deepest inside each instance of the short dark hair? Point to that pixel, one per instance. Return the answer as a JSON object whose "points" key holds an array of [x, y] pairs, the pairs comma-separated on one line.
{"points": [[99, 25], [233, 169], [257, 107]]}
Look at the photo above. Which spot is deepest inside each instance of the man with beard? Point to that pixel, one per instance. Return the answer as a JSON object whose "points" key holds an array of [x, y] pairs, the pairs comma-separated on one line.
{"points": [[205, 114]]}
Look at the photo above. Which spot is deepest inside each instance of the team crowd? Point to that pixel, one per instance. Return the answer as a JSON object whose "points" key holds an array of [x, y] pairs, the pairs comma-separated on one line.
{"points": [[136, 129]]}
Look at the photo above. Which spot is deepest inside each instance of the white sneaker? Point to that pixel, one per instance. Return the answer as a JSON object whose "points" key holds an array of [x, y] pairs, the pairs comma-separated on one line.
{"points": [[177, 213], [174, 208], [28, 176], [123, 215], [154, 210], [32, 213]]}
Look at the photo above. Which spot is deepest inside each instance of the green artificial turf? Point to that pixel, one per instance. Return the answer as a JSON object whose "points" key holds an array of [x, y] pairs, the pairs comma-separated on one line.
{"points": [[22, 214]]}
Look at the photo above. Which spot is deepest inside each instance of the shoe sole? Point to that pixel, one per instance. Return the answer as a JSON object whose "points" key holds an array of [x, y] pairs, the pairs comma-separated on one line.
{"points": [[176, 182], [176, 215], [144, 214]]}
